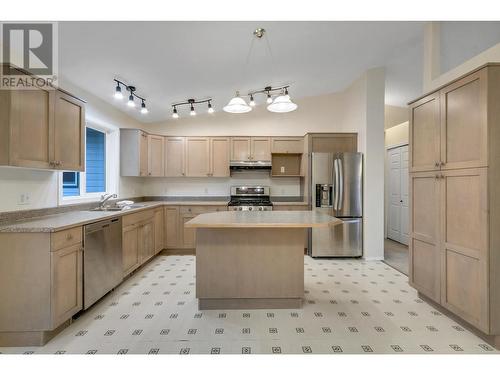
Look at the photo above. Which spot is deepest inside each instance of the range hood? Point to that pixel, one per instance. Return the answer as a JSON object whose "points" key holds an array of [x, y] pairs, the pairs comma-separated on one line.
{"points": [[257, 165]]}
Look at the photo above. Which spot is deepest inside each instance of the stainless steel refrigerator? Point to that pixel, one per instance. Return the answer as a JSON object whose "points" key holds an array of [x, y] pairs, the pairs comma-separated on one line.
{"points": [[337, 190]]}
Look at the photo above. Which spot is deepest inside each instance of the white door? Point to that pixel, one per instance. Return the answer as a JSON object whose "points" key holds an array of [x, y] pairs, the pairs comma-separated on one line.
{"points": [[397, 223]]}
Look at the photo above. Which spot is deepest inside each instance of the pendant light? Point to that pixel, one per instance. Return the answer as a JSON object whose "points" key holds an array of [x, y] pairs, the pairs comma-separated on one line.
{"points": [[282, 104], [237, 105]]}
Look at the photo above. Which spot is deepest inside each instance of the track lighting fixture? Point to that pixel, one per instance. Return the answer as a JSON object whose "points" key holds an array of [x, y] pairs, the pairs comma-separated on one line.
{"points": [[269, 99], [130, 102], [252, 102], [191, 103], [237, 105]]}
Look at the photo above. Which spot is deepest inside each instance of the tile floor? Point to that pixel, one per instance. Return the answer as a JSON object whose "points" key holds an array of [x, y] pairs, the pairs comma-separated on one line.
{"points": [[351, 306]]}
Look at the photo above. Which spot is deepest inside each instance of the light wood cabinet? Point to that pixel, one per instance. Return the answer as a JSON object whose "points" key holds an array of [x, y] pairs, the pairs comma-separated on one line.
{"points": [[174, 156], [69, 133], [240, 148], [197, 157], [261, 148], [171, 227], [455, 199], [250, 148], [219, 156], [130, 249], [464, 138], [156, 157], [159, 230], [67, 283], [287, 145], [42, 129], [424, 224], [146, 240], [134, 153], [188, 234], [424, 135]]}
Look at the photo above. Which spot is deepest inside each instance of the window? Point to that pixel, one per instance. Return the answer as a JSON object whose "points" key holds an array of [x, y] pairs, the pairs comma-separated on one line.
{"points": [[93, 180]]}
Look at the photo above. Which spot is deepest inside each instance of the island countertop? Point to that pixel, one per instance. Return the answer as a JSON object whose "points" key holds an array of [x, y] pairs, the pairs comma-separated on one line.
{"points": [[262, 219]]}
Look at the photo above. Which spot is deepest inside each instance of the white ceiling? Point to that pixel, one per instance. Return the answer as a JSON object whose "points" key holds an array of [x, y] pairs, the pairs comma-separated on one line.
{"points": [[173, 61]]}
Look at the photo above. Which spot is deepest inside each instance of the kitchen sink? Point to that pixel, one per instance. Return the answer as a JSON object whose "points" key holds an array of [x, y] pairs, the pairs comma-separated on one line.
{"points": [[106, 209]]}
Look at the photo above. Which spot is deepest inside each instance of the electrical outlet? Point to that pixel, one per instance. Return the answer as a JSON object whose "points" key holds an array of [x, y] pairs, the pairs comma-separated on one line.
{"points": [[282, 169], [24, 199]]}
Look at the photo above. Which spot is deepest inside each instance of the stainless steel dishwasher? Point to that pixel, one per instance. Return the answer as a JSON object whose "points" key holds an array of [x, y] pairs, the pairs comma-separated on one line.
{"points": [[102, 259]]}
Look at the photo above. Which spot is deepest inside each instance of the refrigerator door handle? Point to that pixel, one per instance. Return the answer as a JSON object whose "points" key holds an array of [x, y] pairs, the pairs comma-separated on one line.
{"points": [[341, 185], [336, 187]]}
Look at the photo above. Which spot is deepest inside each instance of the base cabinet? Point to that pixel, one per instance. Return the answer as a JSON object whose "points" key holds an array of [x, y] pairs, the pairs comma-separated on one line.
{"points": [[159, 229], [130, 249], [67, 266]]}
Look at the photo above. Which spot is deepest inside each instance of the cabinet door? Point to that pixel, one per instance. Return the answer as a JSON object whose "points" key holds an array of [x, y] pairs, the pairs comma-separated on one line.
{"points": [[188, 234], [219, 157], [464, 213], [464, 139], [197, 157], [143, 154], [67, 285], [69, 133], [32, 121], [130, 249], [146, 241], [240, 149], [424, 244], [156, 157], [261, 149], [174, 157], [159, 228], [425, 134], [287, 145], [171, 227]]}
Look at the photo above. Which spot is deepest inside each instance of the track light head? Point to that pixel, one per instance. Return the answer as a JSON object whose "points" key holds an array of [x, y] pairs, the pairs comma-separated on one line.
{"points": [[210, 109], [144, 110], [118, 92], [192, 112], [252, 102], [175, 115], [131, 102]]}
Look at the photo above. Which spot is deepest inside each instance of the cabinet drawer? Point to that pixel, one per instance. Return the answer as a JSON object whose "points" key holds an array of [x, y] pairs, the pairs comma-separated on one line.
{"points": [[196, 210], [137, 217], [66, 238]]}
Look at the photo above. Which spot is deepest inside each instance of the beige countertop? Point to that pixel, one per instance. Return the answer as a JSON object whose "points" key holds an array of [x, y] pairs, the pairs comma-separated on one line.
{"points": [[57, 222], [61, 221], [262, 219]]}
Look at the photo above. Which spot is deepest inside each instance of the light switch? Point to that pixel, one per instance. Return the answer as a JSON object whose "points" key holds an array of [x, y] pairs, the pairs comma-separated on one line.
{"points": [[24, 199]]}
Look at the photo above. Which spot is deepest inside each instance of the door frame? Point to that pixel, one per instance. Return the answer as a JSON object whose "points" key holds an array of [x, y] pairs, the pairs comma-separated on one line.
{"points": [[386, 183]]}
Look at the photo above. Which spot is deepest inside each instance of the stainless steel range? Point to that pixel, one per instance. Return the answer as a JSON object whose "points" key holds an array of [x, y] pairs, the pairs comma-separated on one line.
{"points": [[250, 198]]}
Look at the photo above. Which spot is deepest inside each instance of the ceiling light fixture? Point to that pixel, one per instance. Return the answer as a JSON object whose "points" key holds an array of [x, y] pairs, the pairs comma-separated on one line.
{"points": [[191, 103], [237, 105], [130, 102], [281, 104]]}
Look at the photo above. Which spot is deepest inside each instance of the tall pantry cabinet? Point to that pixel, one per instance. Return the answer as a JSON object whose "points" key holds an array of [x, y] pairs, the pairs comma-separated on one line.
{"points": [[455, 198]]}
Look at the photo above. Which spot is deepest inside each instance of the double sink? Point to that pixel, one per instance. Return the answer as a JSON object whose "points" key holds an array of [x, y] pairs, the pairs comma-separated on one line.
{"points": [[117, 208]]}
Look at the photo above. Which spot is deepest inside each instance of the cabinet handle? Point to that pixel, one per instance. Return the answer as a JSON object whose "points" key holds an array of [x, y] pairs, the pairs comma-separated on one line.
{"points": [[69, 236], [436, 164], [437, 176], [442, 164], [149, 173]]}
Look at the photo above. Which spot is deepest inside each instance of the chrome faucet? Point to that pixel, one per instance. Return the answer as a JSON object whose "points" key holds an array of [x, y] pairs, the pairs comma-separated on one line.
{"points": [[105, 198]]}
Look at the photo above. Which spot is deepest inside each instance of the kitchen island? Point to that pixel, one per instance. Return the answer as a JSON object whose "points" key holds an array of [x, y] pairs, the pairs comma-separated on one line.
{"points": [[254, 260]]}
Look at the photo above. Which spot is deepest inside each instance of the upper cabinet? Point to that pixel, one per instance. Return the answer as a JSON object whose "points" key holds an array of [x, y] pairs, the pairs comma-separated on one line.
{"points": [[219, 156], [69, 133], [174, 157], [287, 145], [197, 157], [448, 128], [134, 153], [250, 149], [156, 158], [42, 128]]}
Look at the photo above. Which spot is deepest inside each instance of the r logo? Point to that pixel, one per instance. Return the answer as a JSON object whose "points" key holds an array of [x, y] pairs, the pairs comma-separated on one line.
{"points": [[30, 46]]}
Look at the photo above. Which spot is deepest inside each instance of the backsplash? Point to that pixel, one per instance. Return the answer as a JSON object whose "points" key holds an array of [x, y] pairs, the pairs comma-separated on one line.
{"points": [[280, 186]]}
